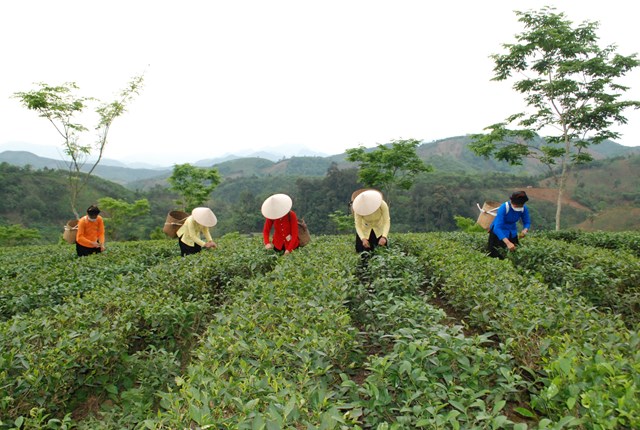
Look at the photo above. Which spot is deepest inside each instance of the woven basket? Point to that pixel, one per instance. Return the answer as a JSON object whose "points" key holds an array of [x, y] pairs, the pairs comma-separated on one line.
{"points": [[174, 221], [487, 214], [70, 231]]}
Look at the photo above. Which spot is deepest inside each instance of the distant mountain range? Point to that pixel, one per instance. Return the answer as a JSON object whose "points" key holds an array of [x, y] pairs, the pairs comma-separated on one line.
{"points": [[450, 155], [271, 153]]}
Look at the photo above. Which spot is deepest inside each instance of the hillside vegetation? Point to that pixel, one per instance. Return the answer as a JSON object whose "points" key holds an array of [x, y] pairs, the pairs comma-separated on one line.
{"points": [[604, 195]]}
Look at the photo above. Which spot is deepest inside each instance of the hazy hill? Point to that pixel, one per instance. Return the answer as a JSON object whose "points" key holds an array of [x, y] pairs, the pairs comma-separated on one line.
{"points": [[119, 174], [445, 155], [452, 155], [294, 166]]}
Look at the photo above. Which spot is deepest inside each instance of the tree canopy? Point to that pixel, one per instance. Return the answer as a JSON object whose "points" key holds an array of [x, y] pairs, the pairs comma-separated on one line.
{"points": [[389, 166], [61, 106], [570, 85], [194, 184]]}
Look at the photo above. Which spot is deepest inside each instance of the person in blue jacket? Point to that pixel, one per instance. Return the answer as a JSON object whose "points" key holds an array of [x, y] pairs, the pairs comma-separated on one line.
{"points": [[503, 233]]}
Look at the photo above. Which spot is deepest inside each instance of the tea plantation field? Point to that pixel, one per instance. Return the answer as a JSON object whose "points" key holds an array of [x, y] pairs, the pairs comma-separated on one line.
{"points": [[429, 333]]}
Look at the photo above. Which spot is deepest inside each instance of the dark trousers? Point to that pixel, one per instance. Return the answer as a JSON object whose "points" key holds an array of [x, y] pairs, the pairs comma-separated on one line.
{"points": [[281, 250], [188, 250], [373, 243], [83, 251], [363, 267], [497, 248]]}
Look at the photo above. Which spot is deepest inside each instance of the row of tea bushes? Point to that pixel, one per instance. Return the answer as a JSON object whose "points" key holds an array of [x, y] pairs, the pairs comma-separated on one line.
{"points": [[426, 373], [273, 355], [24, 259], [58, 359], [628, 240], [585, 363], [48, 279], [607, 278]]}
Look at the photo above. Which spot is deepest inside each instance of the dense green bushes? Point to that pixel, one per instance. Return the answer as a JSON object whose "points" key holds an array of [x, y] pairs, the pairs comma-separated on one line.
{"points": [[601, 239], [430, 333], [61, 357], [428, 374], [274, 352], [610, 279], [577, 356]]}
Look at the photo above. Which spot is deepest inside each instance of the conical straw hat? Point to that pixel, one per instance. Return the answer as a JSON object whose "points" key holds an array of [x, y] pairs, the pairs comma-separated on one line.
{"points": [[204, 216], [367, 202], [276, 206]]}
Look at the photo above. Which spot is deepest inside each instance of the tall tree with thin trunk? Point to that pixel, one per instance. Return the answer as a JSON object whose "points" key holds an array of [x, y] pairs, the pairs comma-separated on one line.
{"points": [[61, 107], [571, 90]]}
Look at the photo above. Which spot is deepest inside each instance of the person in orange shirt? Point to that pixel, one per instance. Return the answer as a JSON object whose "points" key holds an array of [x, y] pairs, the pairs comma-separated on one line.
{"points": [[90, 235], [277, 211]]}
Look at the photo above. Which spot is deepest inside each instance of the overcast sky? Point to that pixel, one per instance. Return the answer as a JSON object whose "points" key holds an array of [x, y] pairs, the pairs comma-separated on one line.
{"points": [[235, 76]]}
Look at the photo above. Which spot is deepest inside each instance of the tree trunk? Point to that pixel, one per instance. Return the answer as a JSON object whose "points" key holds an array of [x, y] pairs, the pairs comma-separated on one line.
{"points": [[562, 184], [559, 201]]}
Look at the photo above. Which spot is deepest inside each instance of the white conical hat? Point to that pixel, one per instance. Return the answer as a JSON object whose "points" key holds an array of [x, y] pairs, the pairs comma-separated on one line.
{"points": [[367, 202], [276, 206], [204, 216]]}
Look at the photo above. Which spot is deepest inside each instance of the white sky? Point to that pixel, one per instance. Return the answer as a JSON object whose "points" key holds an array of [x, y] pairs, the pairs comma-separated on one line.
{"points": [[231, 76]]}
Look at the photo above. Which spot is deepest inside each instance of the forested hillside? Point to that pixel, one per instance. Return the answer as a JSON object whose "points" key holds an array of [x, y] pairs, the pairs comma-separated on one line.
{"points": [[39, 199], [603, 195]]}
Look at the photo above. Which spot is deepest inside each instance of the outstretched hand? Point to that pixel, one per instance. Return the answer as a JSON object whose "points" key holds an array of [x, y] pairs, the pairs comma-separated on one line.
{"points": [[510, 245]]}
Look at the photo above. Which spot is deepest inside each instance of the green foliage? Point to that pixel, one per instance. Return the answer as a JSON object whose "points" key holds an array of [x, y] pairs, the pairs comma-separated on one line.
{"points": [[61, 107], [610, 279], [194, 184], [568, 85], [280, 367], [37, 199], [122, 214], [343, 222], [550, 332], [430, 334], [628, 240], [120, 338], [14, 234], [468, 225], [389, 166]]}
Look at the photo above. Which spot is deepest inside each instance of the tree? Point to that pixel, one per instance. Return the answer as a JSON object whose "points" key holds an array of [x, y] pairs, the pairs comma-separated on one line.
{"points": [[389, 166], [121, 213], [342, 222], [194, 184], [568, 84], [60, 106]]}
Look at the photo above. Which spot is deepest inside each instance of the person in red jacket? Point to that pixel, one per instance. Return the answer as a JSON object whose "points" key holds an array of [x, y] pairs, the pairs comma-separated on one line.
{"points": [[277, 211], [90, 235]]}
